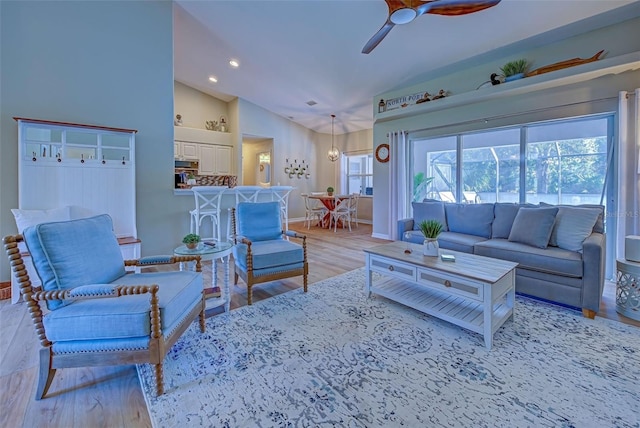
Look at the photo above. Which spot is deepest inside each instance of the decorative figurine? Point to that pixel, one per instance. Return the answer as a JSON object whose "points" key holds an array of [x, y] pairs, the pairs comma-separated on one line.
{"points": [[441, 94], [178, 120], [223, 124], [424, 98]]}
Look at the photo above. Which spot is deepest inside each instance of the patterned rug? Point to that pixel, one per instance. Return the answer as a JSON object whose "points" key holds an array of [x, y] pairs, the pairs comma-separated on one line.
{"points": [[334, 358]]}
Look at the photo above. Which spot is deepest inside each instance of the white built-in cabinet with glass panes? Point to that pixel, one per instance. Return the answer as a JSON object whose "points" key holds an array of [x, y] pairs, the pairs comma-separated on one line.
{"points": [[88, 168]]}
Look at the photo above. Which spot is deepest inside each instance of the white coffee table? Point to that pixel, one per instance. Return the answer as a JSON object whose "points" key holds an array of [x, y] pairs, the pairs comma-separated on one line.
{"points": [[474, 292], [220, 251]]}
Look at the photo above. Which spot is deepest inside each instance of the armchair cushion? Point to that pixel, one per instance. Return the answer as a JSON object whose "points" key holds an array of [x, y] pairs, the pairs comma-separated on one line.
{"points": [[267, 254], [72, 253], [259, 221], [126, 316]]}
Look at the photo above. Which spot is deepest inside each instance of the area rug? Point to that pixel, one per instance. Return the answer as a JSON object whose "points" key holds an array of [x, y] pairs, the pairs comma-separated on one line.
{"points": [[335, 358]]}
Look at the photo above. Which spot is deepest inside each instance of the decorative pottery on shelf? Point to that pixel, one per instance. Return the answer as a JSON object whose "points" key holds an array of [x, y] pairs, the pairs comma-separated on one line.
{"points": [[514, 77], [430, 247]]}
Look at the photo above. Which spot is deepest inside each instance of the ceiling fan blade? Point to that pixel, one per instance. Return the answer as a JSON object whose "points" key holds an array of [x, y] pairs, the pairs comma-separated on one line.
{"points": [[455, 7], [377, 38]]}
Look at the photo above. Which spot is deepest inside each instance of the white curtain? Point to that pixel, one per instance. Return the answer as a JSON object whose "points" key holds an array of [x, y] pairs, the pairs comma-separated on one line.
{"points": [[628, 210], [398, 180]]}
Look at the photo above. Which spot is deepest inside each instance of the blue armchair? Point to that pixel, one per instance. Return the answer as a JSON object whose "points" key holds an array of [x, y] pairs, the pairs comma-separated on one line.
{"points": [[100, 314], [261, 253]]}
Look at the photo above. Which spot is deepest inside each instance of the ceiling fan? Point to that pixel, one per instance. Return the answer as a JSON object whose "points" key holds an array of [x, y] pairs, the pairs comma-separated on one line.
{"points": [[405, 11]]}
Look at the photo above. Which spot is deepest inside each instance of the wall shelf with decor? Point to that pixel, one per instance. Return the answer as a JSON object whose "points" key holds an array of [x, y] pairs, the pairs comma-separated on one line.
{"points": [[554, 79], [195, 135]]}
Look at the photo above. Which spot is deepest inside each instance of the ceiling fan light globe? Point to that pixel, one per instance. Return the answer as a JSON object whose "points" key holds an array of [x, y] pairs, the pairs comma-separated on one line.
{"points": [[403, 16]]}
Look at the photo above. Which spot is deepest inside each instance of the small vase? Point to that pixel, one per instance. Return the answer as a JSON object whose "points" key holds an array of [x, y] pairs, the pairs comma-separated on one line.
{"points": [[430, 247], [192, 245]]}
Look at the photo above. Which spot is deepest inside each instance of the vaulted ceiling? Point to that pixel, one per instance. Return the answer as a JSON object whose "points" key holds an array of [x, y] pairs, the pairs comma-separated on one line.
{"points": [[293, 52]]}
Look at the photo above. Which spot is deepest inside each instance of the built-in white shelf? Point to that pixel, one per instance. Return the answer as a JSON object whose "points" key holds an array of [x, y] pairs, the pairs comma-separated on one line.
{"points": [[196, 135], [553, 79]]}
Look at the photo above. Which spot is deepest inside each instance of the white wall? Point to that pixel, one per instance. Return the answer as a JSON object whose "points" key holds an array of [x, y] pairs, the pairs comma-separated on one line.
{"points": [[196, 107], [618, 40], [102, 63]]}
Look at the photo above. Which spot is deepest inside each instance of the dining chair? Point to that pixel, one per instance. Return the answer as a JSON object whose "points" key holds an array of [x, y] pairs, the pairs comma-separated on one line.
{"points": [[353, 208], [313, 210], [91, 311], [341, 212], [208, 201], [261, 254]]}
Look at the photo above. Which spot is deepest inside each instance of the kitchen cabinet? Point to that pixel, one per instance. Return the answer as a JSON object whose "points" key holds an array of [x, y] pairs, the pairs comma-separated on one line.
{"points": [[184, 150], [214, 160]]}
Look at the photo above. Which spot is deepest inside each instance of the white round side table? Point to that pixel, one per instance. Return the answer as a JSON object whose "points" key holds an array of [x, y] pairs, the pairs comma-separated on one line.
{"points": [[219, 251], [628, 289]]}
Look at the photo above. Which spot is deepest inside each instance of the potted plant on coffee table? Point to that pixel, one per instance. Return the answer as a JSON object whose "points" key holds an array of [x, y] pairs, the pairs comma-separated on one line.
{"points": [[431, 230], [191, 241], [330, 191]]}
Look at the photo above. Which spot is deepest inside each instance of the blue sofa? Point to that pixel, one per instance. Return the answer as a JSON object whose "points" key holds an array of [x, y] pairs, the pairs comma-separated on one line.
{"points": [[560, 249]]}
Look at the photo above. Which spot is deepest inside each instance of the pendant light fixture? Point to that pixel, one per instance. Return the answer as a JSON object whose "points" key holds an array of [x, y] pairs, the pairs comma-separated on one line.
{"points": [[333, 154]]}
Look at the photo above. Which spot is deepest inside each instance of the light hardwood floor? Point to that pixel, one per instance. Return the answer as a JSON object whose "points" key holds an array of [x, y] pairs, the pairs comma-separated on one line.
{"points": [[111, 396]]}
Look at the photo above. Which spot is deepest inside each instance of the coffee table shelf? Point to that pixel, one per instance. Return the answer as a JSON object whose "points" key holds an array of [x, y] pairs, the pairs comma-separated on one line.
{"points": [[454, 309]]}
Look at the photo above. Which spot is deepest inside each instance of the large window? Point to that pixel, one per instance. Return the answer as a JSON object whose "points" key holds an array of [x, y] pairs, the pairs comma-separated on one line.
{"points": [[359, 177], [560, 162]]}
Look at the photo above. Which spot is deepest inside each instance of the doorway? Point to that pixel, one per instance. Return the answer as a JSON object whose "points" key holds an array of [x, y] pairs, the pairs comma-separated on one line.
{"points": [[257, 161]]}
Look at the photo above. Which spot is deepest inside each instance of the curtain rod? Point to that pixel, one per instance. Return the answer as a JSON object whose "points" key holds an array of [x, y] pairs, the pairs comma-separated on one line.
{"points": [[504, 116]]}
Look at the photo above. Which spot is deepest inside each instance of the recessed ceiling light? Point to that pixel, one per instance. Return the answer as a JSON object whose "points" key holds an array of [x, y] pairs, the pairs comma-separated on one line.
{"points": [[311, 103], [213, 79], [234, 63]]}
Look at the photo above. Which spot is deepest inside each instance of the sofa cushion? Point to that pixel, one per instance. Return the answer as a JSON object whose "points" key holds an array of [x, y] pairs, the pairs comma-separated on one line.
{"points": [[573, 225], [532, 226], [470, 219], [504, 214], [72, 253], [428, 211], [458, 241], [551, 260], [127, 316], [599, 226]]}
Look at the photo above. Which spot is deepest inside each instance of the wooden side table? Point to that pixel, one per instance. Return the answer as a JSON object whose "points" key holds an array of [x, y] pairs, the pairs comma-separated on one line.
{"points": [[628, 289]]}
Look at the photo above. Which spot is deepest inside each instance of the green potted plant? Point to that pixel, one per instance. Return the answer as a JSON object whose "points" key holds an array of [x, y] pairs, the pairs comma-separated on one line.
{"points": [[191, 241], [330, 191], [431, 229], [514, 69]]}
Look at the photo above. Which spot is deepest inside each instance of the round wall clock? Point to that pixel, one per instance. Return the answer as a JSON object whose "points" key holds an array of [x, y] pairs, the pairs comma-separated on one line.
{"points": [[382, 153]]}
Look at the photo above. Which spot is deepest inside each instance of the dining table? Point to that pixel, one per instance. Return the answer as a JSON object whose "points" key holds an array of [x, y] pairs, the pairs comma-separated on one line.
{"points": [[330, 203]]}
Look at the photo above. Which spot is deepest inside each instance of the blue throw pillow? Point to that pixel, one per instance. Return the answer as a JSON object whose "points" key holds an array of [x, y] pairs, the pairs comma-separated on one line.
{"points": [[470, 219], [428, 211], [532, 226]]}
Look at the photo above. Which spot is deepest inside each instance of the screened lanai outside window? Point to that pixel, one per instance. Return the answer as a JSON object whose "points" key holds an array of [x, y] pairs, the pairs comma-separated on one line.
{"points": [[434, 169], [491, 166], [567, 162]]}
